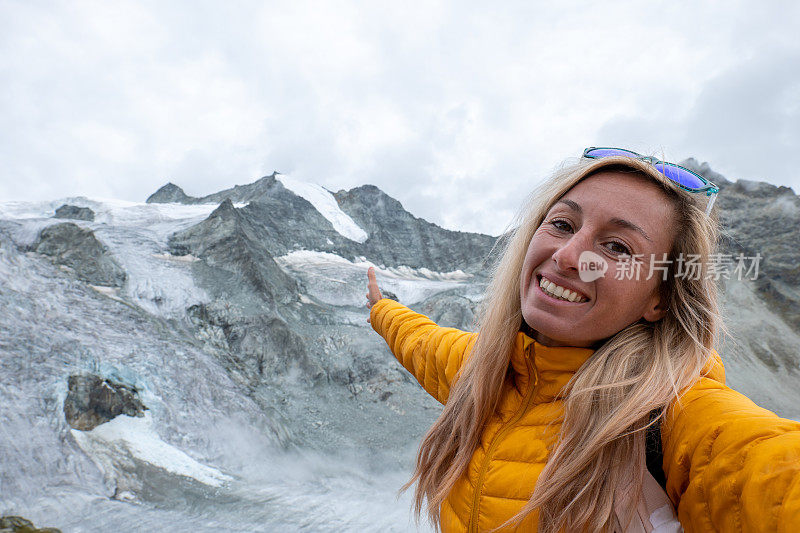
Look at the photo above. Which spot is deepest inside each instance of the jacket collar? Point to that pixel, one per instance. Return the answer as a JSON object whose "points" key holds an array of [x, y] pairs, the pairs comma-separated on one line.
{"points": [[550, 367]]}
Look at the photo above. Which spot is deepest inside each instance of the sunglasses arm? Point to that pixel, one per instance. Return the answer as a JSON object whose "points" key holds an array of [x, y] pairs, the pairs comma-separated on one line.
{"points": [[711, 203]]}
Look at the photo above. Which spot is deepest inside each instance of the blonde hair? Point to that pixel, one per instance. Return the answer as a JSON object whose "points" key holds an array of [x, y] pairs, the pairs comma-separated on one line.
{"points": [[609, 401]]}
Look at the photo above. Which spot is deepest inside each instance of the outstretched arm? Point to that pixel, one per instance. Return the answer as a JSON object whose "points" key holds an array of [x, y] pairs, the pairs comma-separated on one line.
{"points": [[433, 354], [731, 465]]}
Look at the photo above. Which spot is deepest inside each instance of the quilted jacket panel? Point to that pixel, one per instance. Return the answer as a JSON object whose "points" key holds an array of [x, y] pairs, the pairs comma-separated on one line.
{"points": [[730, 465]]}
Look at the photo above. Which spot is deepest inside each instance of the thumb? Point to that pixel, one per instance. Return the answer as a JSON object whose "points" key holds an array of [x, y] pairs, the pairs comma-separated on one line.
{"points": [[374, 294]]}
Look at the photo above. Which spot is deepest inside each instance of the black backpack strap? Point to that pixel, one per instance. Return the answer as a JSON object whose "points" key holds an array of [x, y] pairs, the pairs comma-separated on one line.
{"points": [[654, 455]]}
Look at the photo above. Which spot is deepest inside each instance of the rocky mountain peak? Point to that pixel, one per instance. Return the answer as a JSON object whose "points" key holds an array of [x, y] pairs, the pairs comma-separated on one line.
{"points": [[704, 169], [238, 193], [224, 210], [372, 199], [761, 189], [250, 192], [168, 193]]}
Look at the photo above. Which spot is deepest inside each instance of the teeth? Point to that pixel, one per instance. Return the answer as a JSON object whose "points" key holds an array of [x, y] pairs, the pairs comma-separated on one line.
{"points": [[560, 292]]}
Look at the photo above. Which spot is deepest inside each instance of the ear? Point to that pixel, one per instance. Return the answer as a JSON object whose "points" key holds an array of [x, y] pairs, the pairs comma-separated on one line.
{"points": [[656, 307]]}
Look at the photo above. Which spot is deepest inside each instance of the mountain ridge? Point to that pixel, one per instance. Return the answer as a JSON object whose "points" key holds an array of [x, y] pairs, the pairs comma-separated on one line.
{"points": [[285, 221]]}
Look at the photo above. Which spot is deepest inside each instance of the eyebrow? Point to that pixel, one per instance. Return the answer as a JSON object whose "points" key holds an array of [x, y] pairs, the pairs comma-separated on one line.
{"points": [[619, 222]]}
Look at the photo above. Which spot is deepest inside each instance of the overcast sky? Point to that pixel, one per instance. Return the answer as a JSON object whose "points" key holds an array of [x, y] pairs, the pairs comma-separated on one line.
{"points": [[455, 109]]}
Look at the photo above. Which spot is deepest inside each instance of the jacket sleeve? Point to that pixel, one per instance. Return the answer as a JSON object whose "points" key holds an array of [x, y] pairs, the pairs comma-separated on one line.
{"points": [[432, 353], [731, 465]]}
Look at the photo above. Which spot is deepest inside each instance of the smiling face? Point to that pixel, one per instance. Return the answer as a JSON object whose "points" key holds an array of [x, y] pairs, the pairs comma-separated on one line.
{"points": [[611, 214]]}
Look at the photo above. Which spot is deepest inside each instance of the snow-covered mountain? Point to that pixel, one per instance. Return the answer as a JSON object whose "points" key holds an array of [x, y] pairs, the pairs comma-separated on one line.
{"points": [[204, 364]]}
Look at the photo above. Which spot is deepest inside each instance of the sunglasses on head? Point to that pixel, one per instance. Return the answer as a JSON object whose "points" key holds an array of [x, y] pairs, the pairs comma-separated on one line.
{"points": [[683, 177]]}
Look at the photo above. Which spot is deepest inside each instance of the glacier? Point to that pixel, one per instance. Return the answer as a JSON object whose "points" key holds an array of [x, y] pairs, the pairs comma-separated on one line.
{"points": [[212, 453]]}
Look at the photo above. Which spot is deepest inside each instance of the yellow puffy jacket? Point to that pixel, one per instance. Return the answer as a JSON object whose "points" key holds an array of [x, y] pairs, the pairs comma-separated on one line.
{"points": [[730, 465]]}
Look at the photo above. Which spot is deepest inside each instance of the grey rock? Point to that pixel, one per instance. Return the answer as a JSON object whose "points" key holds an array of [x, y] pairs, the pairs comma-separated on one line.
{"points": [[396, 237], [230, 239], [261, 346], [92, 400], [451, 310], [765, 223], [79, 251], [704, 169], [169, 193], [284, 222], [17, 524], [390, 295], [74, 212], [238, 194], [761, 218]]}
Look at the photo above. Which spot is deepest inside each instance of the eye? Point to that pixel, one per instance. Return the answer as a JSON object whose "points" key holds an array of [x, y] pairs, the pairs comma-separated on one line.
{"points": [[561, 225], [617, 247]]}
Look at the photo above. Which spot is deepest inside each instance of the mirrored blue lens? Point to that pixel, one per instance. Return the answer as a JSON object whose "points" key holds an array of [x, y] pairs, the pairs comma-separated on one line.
{"points": [[680, 176], [609, 152]]}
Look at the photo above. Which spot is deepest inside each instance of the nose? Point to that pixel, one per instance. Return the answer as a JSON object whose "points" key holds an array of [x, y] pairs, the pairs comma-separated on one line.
{"points": [[567, 256]]}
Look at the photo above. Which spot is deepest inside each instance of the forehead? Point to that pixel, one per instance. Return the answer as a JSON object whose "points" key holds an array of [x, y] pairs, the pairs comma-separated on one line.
{"points": [[620, 195]]}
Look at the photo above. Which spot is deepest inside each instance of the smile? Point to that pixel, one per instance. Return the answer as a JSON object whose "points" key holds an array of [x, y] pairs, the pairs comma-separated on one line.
{"points": [[560, 293]]}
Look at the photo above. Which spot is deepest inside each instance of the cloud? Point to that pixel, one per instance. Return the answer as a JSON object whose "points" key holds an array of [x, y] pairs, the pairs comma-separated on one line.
{"points": [[745, 121], [454, 109], [748, 118]]}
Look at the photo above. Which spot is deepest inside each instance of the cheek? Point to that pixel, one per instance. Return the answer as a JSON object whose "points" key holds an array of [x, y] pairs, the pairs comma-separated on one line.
{"points": [[530, 263], [535, 254], [627, 295]]}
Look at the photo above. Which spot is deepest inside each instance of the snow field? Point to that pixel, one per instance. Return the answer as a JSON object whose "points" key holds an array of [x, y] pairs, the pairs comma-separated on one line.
{"points": [[335, 280], [327, 206], [135, 437]]}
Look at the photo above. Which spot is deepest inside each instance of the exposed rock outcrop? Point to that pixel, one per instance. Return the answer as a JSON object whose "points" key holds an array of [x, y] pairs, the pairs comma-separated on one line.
{"points": [[396, 237], [761, 218], [169, 193], [92, 400], [17, 524], [74, 212], [79, 251], [450, 310], [230, 239], [390, 295], [262, 346], [238, 194]]}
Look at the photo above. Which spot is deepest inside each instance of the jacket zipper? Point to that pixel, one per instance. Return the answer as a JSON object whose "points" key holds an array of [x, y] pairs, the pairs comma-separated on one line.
{"points": [[473, 523]]}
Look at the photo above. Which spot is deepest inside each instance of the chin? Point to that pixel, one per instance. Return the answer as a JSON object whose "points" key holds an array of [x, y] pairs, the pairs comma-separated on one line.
{"points": [[555, 332]]}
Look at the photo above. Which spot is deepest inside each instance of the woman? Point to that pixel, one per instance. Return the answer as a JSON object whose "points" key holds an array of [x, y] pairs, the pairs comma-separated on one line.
{"points": [[568, 373]]}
